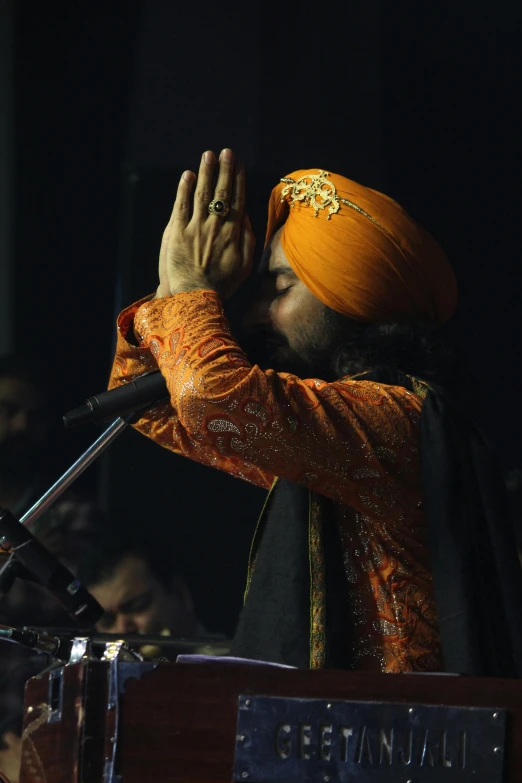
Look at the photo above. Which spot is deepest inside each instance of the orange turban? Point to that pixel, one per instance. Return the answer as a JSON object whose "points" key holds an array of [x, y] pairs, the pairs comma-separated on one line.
{"points": [[359, 252]]}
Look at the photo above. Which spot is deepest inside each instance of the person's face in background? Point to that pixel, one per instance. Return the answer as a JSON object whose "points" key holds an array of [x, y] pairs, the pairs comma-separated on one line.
{"points": [[11, 756], [136, 601], [24, 425]]}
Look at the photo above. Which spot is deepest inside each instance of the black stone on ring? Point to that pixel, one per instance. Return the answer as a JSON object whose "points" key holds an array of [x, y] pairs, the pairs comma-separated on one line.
{"points": [[218, 207]]}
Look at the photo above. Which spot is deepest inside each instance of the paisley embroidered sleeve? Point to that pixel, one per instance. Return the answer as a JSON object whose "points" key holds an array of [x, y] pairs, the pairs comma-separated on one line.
{"points": [[161, 423], [353, 441]]}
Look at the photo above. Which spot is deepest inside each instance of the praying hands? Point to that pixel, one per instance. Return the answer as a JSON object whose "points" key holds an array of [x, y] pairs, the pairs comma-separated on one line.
{"points": [[208, 242]]}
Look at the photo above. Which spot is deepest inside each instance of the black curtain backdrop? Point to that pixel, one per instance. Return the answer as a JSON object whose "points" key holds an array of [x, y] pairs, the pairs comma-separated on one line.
{"points": [[113, 102], [72, 80]]}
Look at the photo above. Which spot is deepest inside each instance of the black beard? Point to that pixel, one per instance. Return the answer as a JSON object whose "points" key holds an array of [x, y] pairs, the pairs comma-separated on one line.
{"points": [[271, 351]]}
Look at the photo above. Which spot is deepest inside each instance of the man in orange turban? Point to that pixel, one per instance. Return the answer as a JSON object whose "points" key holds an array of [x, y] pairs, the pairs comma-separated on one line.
{"points": [[377, 483]]}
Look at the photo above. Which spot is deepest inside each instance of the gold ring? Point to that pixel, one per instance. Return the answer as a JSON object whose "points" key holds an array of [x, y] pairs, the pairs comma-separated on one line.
{"points": [[218, 207]]}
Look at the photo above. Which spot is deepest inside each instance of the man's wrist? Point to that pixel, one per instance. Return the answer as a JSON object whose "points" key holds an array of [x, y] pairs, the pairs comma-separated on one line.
{"points": [[185, 286]]}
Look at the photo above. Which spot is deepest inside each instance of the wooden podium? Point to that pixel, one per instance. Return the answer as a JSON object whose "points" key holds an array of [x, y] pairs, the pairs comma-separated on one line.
{"points": [[131, 722]]}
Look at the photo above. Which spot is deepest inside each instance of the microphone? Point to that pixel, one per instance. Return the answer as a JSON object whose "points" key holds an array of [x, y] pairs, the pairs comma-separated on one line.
{"points": [[45, 569], [57, 648], [140, 393]]}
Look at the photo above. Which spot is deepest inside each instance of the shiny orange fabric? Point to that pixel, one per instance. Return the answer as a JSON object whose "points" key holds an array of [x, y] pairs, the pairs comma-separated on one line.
{"points": [[377, 270], [355, 442]]}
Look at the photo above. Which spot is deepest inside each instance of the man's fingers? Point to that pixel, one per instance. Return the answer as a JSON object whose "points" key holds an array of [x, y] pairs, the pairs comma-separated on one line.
{"points": [[204, 190], [181, 210], [238, 196], [163, 251], [223, 190]]}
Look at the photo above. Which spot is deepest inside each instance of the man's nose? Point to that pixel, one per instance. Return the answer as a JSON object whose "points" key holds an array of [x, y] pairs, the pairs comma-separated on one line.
{"points": [[125, 623]]}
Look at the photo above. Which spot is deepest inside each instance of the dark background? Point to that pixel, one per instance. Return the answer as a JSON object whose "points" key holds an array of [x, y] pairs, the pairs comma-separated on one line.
{"points": [[114, 101]]}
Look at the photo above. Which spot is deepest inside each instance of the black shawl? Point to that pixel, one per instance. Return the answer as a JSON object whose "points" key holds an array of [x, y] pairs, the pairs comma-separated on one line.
{"points": [[477, 576]]}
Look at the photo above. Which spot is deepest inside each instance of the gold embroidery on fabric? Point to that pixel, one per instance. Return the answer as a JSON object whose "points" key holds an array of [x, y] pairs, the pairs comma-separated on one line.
{"points": [[420, 388], [392, 606], [317, 191], [317, 584]]}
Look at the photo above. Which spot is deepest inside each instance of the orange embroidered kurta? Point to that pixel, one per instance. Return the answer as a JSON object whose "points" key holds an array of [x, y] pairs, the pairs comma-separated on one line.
{"points": [[354, 441]]}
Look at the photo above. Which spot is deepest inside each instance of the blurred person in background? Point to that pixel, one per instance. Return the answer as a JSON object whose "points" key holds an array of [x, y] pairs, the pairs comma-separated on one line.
{"points": [[141, 592], [11, 755], [30, 452], [25, 429]]}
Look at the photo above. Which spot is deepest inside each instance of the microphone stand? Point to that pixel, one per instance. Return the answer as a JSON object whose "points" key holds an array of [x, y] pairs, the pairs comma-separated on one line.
{"points": [[76, 469], [29, 559]]}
